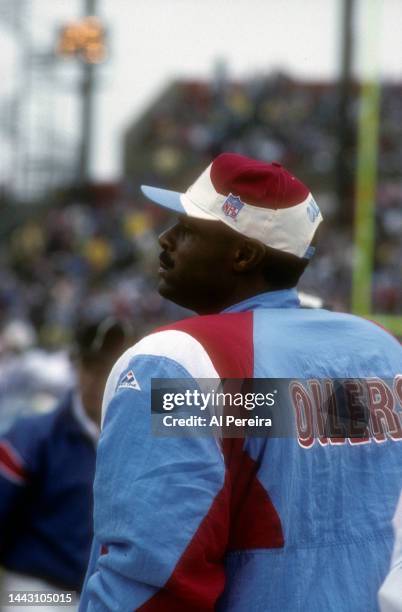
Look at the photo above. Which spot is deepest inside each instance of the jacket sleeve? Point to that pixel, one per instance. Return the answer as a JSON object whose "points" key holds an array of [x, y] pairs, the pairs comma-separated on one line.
{"points": [[18, 451], [161, 515]]}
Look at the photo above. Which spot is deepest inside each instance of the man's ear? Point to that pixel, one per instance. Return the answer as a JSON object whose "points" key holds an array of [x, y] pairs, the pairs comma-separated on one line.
{"points": [[248, 255]]}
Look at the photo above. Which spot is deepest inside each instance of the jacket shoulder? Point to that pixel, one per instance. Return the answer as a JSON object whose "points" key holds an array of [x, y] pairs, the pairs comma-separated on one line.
{"points": [[227, 338]]}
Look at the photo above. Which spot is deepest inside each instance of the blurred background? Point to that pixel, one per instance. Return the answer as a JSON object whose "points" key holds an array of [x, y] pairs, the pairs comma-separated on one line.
{"points": [[99, 96]]}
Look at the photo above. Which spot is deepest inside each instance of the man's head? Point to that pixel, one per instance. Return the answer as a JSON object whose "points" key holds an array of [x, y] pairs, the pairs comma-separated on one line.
{"points": [[96, 347], [244, 227]]}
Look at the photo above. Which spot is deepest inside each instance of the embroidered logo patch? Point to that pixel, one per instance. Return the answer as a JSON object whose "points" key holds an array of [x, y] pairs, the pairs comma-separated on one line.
{"points": [[129, 381], [232, 206]]}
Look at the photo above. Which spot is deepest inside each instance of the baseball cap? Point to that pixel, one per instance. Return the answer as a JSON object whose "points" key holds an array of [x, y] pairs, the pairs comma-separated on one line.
{"points": [[98, 339], [260, 200]]}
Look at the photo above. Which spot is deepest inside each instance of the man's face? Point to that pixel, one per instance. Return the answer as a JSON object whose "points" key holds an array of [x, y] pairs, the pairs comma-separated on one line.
{"points": [[196, 264]]}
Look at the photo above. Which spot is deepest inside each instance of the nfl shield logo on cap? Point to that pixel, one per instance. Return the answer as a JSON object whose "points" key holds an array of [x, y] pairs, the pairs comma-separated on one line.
{"points": [[232, 206]]}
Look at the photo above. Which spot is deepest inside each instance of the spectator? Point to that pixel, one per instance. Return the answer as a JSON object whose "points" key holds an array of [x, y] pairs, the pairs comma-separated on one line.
{"points": [[47, 465]]}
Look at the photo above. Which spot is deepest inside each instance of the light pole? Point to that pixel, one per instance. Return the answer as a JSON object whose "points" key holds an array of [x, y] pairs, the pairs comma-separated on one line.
{"points": [[87, 87], [346, 129], [84, 40]]}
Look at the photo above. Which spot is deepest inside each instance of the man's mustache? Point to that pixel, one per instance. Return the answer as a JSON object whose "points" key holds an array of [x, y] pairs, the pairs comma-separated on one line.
{"points": [[166, 260]]}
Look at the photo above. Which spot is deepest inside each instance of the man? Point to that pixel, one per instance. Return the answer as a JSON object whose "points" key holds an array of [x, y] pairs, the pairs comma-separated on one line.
{"points": [[47, 465], [255, 524]]}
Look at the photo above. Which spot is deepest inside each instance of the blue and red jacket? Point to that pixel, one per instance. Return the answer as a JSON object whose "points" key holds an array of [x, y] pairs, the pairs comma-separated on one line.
{"points": [[255, 524], [47, 466]]}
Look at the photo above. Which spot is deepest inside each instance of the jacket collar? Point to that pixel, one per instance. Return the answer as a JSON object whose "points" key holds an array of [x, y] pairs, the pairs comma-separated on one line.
{"points": [[285, 298]]}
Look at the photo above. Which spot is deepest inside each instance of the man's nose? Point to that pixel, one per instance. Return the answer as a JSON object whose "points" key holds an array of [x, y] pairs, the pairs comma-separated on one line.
{"points": [[166, 239]]}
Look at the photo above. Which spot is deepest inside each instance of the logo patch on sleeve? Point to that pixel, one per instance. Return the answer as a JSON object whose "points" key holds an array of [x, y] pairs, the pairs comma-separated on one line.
{"points": [[129, 381]]}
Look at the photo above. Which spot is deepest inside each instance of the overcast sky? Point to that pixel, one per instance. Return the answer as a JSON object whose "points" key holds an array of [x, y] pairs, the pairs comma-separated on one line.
{"points": [[153, 41]]}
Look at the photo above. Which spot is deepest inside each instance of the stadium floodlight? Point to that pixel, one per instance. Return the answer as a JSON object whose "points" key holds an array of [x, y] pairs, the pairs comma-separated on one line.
{"points": [[84, 39]]}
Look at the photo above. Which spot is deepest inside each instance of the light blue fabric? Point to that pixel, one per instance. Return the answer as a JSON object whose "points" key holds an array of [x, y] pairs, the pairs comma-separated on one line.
{"points": [[151, 495], [164, 197], [335, 502], [286, 298]]}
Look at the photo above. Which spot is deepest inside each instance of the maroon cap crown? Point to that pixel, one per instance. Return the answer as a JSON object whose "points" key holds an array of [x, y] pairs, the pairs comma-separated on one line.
{"points": [[256, 182]]}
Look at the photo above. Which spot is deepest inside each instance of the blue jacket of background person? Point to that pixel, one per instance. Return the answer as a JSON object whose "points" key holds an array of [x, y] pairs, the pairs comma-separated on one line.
{"points": [[47, 465]]}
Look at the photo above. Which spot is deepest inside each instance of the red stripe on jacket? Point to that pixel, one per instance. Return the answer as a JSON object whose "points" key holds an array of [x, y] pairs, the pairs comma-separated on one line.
{"points": [[242, 515], [11, 464]]}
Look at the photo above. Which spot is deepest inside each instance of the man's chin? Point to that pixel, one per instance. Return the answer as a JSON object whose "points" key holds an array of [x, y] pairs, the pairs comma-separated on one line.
{"points": [[167, 291]]}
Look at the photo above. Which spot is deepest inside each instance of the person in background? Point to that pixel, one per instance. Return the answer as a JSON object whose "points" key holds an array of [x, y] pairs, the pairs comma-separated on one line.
{"points": [[47, 465]]}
